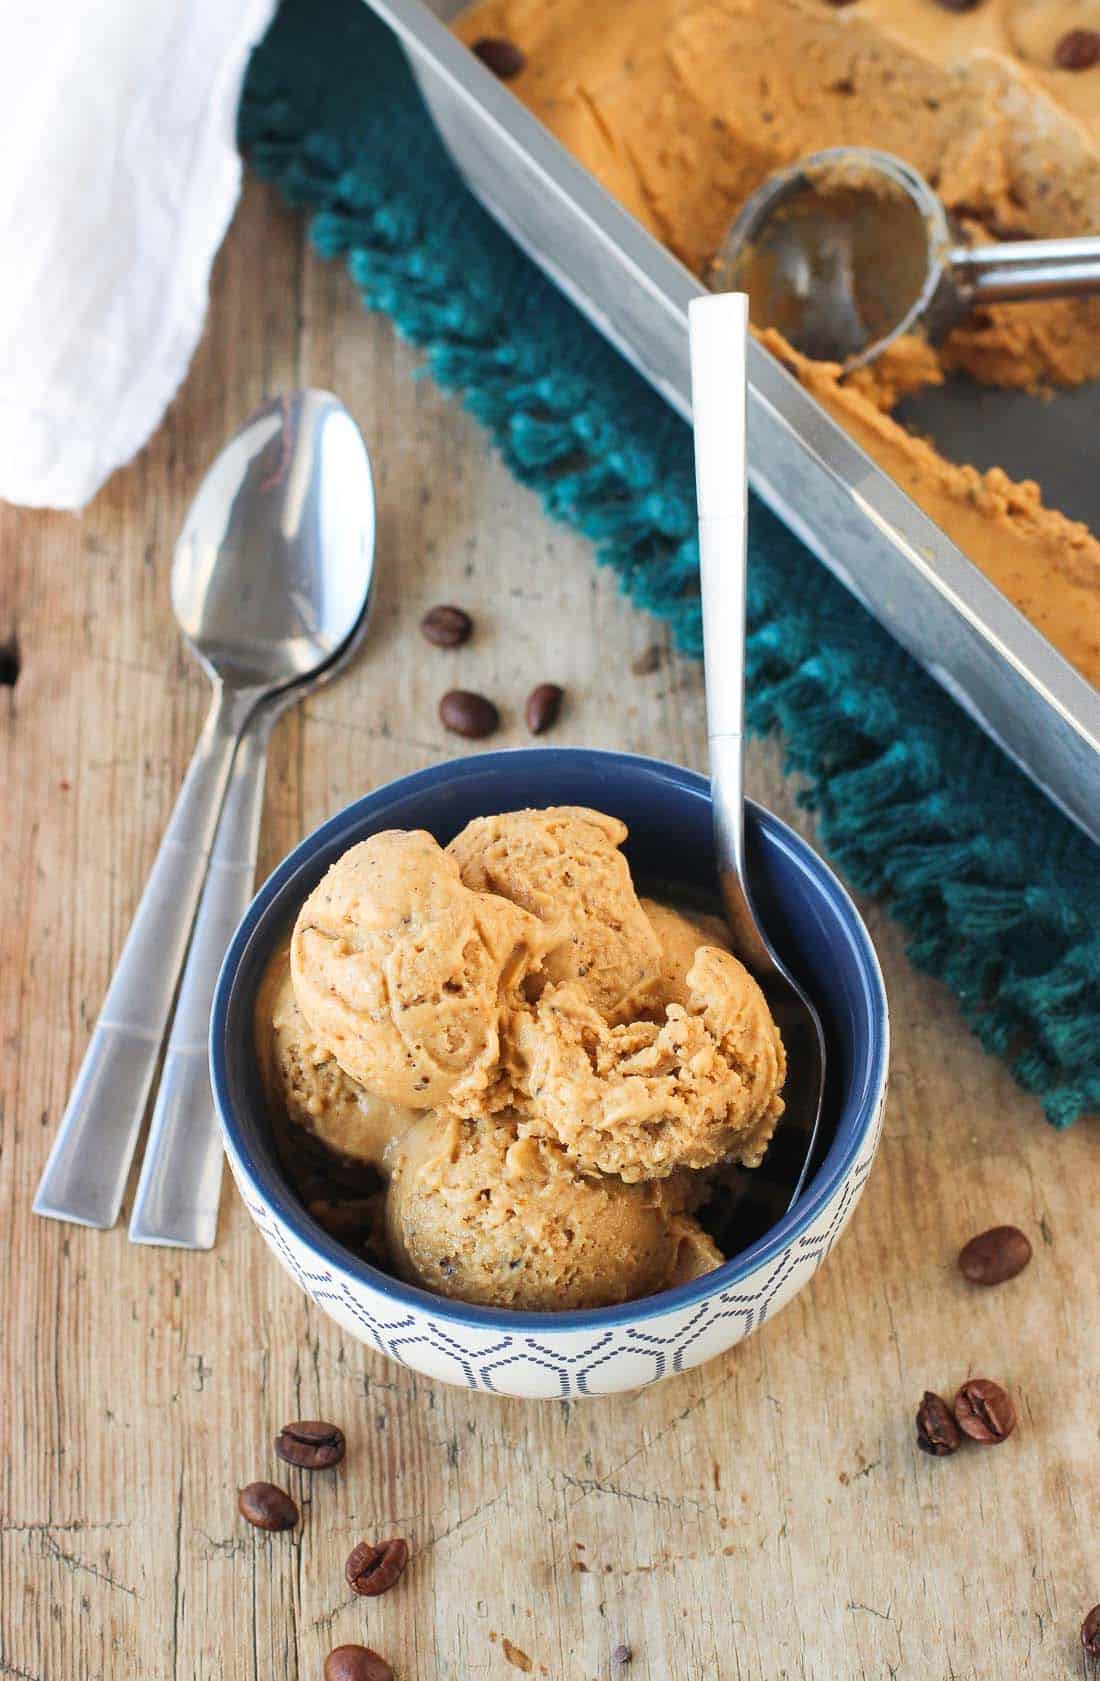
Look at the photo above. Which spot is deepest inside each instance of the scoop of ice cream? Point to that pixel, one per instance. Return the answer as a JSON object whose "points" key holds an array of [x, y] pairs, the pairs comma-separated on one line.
{"points": [[478, 1212], [405, 972], [563, 865], [302, 1075], [644, 1098], [679, 936]]}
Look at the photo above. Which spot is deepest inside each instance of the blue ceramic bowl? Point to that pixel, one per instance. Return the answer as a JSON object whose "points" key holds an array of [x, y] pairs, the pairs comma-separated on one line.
{"points": [[818, 932]]}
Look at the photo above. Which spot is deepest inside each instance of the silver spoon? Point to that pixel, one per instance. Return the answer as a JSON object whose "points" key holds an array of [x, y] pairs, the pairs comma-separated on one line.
{"points": [[179, 1190], [718, 328], [850, 248], [270, 579]]}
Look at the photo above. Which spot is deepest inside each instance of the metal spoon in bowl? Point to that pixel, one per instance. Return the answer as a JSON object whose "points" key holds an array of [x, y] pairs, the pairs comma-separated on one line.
{"points": [[269, 581], [718, 329], [850, 248]]}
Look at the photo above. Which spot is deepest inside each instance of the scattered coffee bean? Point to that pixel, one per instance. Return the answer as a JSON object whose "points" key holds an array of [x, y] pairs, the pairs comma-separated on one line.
{"points": [[311, 1444], [9, 663], [995, 1256], [937, 1432], [648, 661], [543, 707], [1090, 1632], [984, 1412], [356, 1663], [267, 1507], [372, 1570], [447, 627], [502, 57], [1079, 49], [622, 1655], [464, 713]]}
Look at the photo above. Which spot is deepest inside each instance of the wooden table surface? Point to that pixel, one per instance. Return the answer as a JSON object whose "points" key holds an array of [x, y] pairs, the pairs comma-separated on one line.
{"points": [[765, 1516]]}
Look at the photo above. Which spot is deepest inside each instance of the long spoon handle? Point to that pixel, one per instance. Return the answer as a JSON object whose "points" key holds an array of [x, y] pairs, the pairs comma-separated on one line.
{"points": [[1028, 268], [718, 328], [85, 1175], [180, 1186]]}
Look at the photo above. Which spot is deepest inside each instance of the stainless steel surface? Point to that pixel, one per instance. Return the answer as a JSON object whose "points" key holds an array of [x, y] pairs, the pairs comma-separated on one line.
{"points": [[797, 246], [177, 1196], [1031, 268], [851, 514], [265, 584], [178, 1192], [718, 329]]}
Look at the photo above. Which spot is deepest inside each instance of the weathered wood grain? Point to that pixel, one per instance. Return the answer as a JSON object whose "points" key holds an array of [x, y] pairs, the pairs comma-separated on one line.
{"points": [[766, 1516]]}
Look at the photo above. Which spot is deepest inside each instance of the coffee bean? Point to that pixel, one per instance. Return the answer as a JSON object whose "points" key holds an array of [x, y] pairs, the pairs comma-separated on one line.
{"points": [[995, 1256], [464, 713], [311, 1444], [372, 1570], [502, 57], [543, 707], [356, 1663], [1079, 49], [447, 627], [1090, 1632], [937, 1432], [648, 661], [984, 1412], [267, 1507]]}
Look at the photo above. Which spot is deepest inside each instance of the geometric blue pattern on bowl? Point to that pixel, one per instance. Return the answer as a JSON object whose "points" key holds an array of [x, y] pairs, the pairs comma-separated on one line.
{"points": [[549, 1364], [818, 931]]}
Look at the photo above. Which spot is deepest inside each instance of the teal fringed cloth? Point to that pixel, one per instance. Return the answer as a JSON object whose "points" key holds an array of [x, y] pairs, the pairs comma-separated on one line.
{"points": [[999, 894]]}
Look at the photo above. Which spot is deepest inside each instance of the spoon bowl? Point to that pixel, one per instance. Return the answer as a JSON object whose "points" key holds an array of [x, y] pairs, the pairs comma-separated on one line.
{"points": [[268, 573]]}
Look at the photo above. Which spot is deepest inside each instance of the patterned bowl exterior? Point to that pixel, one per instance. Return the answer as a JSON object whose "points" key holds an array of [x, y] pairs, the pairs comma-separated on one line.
{"points": [[551, 1363], [550, 1356]]}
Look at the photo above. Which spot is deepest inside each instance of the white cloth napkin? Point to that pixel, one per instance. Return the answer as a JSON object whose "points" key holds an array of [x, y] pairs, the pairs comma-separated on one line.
{"points": [[118, 178]]}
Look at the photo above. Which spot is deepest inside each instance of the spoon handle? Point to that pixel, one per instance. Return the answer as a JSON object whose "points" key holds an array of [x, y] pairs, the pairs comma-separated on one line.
{"points": [[1027, 268], [85, 1175], [180, 1186], [718, 329]]}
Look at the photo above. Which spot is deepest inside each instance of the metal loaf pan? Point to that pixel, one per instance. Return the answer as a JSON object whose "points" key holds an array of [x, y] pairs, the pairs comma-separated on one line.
{"points": [[904, 569]]}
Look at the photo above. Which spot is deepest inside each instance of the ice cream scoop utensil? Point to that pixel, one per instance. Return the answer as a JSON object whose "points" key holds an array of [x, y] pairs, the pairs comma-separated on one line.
{"points": [[718, 328], [850, 248], [269, 580]]}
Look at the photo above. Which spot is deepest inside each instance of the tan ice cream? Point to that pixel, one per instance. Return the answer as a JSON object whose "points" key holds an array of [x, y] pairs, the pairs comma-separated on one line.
{"points": [[681, 108], [679, 935], [478, 1212], [645, 1098], [301, 1075], [563, 864], [406, 974], [580, 1052]]}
